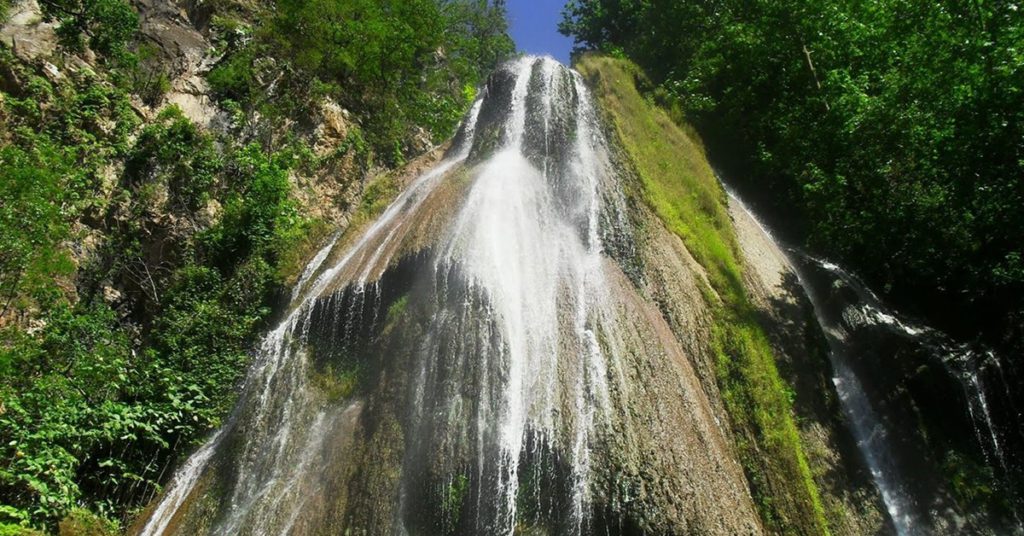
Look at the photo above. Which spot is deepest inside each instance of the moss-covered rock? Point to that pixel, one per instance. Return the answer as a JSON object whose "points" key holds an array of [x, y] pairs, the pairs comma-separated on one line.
{"points": [[84, 523], [679, 186]]}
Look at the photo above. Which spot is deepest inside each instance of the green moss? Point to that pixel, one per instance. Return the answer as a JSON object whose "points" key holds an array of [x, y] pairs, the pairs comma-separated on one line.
{"points": [[337, 384], [84, 523], [396, 309], [760, 406], [971, 482], [377, 195], [451, 504], [680, 187]]}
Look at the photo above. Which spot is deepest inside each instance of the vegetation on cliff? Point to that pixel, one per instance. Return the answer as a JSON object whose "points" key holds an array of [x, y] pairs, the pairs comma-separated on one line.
{"points": [[680, 187], [140, 253], [889, 131], [408, 69]]}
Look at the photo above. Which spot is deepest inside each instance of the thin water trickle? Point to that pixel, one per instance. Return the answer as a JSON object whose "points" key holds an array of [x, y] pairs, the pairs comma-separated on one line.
{"points": [[314, 265], [180, 487]]}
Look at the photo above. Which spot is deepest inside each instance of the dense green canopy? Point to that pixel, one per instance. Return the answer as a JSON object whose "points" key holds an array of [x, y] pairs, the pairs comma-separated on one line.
{"points": [[891, 131]]}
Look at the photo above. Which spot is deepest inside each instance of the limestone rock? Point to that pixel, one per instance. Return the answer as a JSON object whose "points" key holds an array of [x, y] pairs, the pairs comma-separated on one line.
{"points": [[333, 128], [26, 34]]}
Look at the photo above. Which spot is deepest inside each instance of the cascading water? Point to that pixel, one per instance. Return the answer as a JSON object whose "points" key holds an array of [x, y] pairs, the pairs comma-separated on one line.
{"points": [[955, 377], [866, 343], [474, 361]]}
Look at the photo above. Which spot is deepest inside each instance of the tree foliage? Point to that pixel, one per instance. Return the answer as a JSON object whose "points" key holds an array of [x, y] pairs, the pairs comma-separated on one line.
{"points": [[893, 128], [105, 25], [402, 65]]}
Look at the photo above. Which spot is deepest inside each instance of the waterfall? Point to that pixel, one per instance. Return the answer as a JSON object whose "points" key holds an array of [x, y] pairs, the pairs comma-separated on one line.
{"points": [[463, 364], [530, 252], [860, 324], [491, 355], [965, 364]]}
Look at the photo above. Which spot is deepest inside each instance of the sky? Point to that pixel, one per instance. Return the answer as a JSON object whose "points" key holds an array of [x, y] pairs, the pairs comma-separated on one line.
{"points": [[535, 27]]}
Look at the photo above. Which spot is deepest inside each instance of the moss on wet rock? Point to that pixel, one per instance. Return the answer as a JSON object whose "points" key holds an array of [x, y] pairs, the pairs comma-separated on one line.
{"points": [[679, 186]]}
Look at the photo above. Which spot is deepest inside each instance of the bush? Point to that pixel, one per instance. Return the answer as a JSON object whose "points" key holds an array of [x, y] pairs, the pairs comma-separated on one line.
{"points": [[143, 74], [32, 224], [6, 529], [172, 150], [202, 334], [108, 24], [234, 78], [65, 404], [257, 208], [91, 416]]}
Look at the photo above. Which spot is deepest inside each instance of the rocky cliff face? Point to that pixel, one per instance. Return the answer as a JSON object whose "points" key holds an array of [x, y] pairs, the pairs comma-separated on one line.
{"points": [[481, 359], [519, 344], [183, 51]]}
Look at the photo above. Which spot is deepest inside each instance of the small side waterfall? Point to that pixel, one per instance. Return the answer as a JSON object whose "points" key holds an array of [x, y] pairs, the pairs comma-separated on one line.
{"points": [[868, 429], [884, 405], [474, 361], [959, 367]]}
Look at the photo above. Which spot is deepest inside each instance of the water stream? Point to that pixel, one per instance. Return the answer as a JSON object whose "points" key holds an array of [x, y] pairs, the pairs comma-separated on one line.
{"points": [[862, 332]]}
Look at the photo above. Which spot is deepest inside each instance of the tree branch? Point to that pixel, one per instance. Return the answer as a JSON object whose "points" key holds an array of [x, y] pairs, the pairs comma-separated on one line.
{"points": [[814, 73]]}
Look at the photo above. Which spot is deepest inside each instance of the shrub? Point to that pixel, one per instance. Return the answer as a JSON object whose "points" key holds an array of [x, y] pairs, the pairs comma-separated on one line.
{"points": [[172, 150], [108, 24]]}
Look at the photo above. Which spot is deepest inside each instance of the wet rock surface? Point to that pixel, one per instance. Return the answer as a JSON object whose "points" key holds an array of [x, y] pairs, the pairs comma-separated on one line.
{"points": [[479, 361]]}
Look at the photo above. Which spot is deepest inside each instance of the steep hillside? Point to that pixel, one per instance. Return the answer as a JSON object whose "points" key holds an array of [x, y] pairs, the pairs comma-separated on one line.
{"points": [[166, 170]]}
